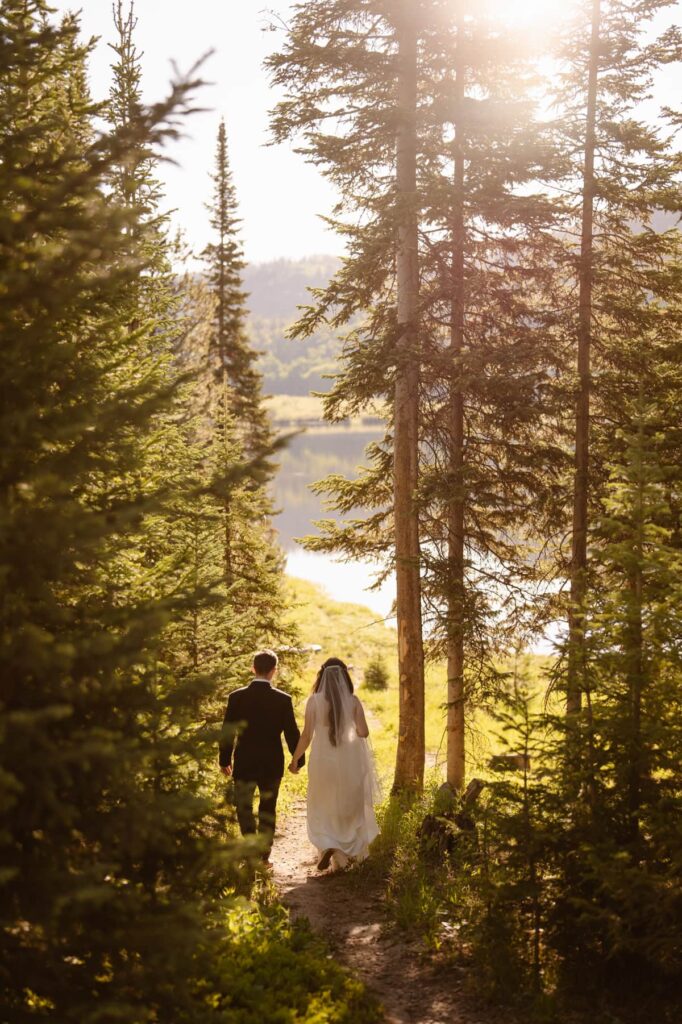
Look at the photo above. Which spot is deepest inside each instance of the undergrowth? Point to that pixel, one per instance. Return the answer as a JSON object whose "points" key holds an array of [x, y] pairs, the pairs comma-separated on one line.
{"points": [[279, 972]]}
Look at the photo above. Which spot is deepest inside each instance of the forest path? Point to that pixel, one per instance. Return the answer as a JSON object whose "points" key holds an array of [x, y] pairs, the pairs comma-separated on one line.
{"points": [[346, 908]]}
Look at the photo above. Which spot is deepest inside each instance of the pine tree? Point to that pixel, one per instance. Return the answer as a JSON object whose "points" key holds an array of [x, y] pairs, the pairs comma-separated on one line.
{"points": [[582, 417], [456, 760], [134, 184], [409, 771], [371, 60], [102, 833], [487, 401], [483, 358], [622, 173], [232, 358], [619, 896], [222, 526], [241, 424], [247, 610], [113, 861]]}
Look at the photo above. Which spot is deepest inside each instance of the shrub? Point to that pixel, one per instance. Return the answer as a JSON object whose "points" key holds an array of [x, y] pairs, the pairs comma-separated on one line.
{"points": [[376, 674], [281, 972]]}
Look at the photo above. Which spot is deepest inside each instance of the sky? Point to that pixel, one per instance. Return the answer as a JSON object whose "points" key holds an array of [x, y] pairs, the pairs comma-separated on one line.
{"points": [[281, 198]]}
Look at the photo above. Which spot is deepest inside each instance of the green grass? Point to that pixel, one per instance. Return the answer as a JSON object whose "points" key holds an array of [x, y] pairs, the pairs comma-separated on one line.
{"points": [[482, 739], [352, 632], [349, 631]]}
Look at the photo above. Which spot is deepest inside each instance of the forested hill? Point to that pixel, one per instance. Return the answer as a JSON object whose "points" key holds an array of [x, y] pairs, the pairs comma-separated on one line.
{"points": [[276, 290]]}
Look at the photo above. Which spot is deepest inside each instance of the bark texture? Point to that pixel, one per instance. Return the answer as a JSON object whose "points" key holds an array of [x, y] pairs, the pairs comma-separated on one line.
{"points": [[576, 617], [409, 773], [455, 715]]}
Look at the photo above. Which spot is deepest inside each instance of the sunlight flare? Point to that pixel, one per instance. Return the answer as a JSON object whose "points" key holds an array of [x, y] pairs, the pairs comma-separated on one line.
{"points": [[535, 16]]}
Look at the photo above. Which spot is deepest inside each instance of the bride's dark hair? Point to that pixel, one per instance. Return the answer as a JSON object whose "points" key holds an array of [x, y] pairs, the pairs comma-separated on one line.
{"points": [[335, 712]]}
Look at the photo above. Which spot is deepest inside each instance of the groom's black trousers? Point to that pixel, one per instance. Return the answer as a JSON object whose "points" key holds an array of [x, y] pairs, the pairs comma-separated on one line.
{"points": [[268, 791]]}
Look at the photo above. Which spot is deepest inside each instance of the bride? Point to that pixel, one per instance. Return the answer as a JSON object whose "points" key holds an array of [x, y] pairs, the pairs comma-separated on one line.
{"points": [[341, 777]]}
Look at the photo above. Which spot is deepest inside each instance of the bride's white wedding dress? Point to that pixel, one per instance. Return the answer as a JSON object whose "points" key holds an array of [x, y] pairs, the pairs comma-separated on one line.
{"points": [[341, 777]]}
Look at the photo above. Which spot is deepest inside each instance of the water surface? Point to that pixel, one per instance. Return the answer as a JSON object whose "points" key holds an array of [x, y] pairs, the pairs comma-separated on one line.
{"points": [[310, 457]]}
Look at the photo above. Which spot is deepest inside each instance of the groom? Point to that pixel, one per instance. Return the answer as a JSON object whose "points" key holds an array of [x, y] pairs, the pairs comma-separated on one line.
{"points": [[264, 713]]}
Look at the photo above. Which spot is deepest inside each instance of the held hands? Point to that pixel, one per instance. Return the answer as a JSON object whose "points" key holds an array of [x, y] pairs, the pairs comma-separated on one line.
{"points": [[294, 768]]}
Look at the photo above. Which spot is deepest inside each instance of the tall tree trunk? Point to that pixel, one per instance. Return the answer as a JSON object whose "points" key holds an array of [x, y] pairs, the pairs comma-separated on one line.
{"points": [[409, 770], [227, 505], [576, 617], [196, 554], [635, 643], [455, 716], [636, 673]]}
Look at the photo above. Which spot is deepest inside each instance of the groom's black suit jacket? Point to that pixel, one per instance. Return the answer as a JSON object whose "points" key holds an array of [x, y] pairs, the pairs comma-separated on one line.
{"points": [[265, 713]]}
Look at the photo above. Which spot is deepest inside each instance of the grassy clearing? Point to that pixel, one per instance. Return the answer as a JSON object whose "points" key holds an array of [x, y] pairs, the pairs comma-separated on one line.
{"points": [[352, 632], [349, 631], [482, 739]]}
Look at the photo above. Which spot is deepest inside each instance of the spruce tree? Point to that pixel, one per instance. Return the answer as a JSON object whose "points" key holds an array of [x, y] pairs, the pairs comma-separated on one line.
{"points": [[360, 62], [619, 895], [232, 359], [485, 251], [409, 771], [134, 183], [241, 428], [456, 760], [582, 414], [246, 611], [622, 172], [102, 833], [487, 402], [221, 527], [113, 860]]}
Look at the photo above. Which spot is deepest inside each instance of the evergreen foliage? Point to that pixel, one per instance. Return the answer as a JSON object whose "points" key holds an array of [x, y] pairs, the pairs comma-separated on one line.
{"points": [[483, 343], [104, 834], [348, 72], [376, 674], [232, 359], [117, 863], [548, 327], [622, 173]]}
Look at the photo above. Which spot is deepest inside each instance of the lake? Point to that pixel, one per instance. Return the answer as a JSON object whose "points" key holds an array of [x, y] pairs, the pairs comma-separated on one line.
{"points": [[310, 457]]}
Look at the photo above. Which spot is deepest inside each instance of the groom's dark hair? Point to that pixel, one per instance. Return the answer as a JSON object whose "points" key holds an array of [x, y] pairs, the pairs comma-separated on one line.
{"points": [[265, 661]]}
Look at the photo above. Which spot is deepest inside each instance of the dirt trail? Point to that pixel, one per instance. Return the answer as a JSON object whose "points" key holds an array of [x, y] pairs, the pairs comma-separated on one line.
{"points": [[347, 910]]}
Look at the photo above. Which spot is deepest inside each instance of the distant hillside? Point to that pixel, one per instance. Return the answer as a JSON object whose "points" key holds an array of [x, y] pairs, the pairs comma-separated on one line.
{"points": [[276, 289]]}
